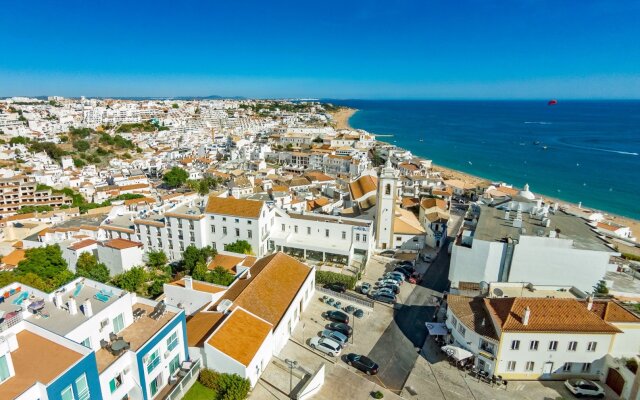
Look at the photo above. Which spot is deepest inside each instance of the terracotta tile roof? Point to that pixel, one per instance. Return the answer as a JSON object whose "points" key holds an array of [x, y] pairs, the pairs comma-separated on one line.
{"points": [[507, 190], [547, 315], [363, 185], [442, 192], [471, 312], [408, 202], [429, 202], [275, 280], [608, 227], [82, 244], [234, 207], [121, 244], [200, 325], [146, 200], [201, 286], [405, 223], [611, 311], [18, 245], [227, 262], [13, 258], [240, 336]]}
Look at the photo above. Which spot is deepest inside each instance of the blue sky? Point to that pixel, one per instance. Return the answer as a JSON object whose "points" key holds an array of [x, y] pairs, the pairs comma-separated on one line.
{"points": [[328, 49]]}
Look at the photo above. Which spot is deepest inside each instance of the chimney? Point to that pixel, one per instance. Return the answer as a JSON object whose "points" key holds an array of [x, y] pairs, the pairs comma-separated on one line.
{"points": [[589, 303], [188, 282], [73, 306], [525, 317], [58, 300], [86, 307]]}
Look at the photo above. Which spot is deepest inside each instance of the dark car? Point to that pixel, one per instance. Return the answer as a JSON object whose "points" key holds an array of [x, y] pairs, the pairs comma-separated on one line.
{"points": [[405, 269], [337, 316], [342, 328], [363, 363], [394, 288], [384, 298], [336, 287]]}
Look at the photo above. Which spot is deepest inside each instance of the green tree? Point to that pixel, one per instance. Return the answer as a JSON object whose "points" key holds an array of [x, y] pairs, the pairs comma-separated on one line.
{"points": [[81, 145], [220, 276], [79, 162], [600, 288], [175, 177], [19, 140], [200, 271], [203, 188], [175, 105], [133, 280], [157, 259], [239, 246], [89, 267], [289, 146], [46, 263], [193, 255]]}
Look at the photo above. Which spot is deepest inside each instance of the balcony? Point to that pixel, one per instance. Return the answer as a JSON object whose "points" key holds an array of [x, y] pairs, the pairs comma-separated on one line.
{"points": [[181, 381]]}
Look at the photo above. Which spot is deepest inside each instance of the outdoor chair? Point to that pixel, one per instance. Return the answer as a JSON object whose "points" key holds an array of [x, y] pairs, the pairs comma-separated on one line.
{"points": [[104, 344]]}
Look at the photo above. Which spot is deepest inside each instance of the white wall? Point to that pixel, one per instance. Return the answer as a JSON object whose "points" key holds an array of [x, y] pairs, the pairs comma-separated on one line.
{"points": [[191, 300], [626, 344], [281, 333], [476, 264]]}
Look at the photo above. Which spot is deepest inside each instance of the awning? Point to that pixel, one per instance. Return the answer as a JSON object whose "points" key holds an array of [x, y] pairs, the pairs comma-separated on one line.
{"points": [[456, 352], [437, 328]]}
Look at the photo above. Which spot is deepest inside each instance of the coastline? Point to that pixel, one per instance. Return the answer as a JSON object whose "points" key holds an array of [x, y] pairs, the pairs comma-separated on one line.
{"points": [[342, 122]]}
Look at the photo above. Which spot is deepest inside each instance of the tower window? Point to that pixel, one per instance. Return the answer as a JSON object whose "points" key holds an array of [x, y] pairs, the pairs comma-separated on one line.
{"points": [[387, 189]]}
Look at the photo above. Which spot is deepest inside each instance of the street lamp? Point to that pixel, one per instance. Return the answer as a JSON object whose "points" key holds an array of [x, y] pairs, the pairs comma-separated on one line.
{"points": [[292, 364]]}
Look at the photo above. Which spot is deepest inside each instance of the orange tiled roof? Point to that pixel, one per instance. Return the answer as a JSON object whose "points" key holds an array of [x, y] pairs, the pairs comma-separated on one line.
{"points": [[471, 312], [234, 207], [82, 244], [121, 244], [608, 227], [611, 311], [429, 202], [240, 336], [225, 261], [200, 325], [201, 286], [547, 315], [363, 185], [14, 257]]}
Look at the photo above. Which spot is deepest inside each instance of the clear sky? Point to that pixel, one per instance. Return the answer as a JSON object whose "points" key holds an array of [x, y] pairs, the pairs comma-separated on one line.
{"points": [[329, 49]]}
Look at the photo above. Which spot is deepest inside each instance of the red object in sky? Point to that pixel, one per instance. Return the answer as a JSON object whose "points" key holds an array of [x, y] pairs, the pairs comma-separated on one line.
{"points": [[552, 102]]}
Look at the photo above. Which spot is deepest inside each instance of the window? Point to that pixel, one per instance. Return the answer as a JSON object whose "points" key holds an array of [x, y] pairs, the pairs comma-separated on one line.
{"points": [[533, 345], [515, 345], [224, 230], [118, 323], [213, 229], [344, 235], [250, 234], [398, 238], [530, 365], [553, 345], [249, 222], [326, 233], [86, 342], [387, 189], [591, 346], [572, 346], [154, 360], [174, 365], [364, 238], [212, 217], [282, 227], [357, 237], [67, 393], [454, 322], [511, 366], [308, 230], [172, 342], [155, 384], [237, 220], [237, 232], [462, 330], [586, 367], [115, 383], [4, 369], [295, 228], [566, 367], [82, 388], [224, 218]]}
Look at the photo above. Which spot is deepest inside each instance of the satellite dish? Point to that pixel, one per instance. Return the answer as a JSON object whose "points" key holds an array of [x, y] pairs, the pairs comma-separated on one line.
{"points": [[498, 292]]}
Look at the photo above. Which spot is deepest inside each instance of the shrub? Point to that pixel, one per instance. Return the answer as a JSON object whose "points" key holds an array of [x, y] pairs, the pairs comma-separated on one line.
{"points": [[632, 365], [377, 394], [209, 378], [228, 386], [629, 256], [324, 277]]}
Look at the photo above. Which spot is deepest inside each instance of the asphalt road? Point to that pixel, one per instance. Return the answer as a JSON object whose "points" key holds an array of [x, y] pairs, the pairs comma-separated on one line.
{"points": [[397, 349]]}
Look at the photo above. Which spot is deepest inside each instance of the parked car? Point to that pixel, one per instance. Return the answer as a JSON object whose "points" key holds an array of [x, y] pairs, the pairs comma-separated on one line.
{"points": [[583, 387], [392, 279], [385, 291], [365, 288], [336, 287], [408, 271], [342, 328], [415, 278], [384, 298], [335, 336], [363, 363], [395, 275], [336, 316], [358, 313], [388, 253], [326, 346], [395, 289]]}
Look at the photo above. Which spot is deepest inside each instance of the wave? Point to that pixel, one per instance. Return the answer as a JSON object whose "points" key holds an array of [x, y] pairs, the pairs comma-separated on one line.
{"points": [[538, 122], [628, 153]]}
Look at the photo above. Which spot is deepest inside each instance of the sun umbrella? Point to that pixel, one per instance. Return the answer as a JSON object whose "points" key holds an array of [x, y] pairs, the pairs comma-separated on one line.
{"points": [[456, 352]]}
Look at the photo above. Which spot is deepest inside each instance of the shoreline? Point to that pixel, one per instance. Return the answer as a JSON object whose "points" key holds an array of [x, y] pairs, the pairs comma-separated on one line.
{"points": [[342, 120]]}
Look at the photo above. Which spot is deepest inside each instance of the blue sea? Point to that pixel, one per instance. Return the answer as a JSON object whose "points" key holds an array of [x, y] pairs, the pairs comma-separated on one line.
{"points": [[578, 151]]}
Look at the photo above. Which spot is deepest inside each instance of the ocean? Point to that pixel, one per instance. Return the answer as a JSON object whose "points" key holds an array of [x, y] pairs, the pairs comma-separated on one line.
{"points": [[577, 151]]}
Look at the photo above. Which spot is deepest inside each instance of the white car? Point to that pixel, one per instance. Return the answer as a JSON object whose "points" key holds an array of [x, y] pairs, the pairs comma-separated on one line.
{"points": [[325, 345], [583, 387]]}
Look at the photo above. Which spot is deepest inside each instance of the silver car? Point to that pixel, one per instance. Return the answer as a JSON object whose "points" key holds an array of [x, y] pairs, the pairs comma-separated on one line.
{"points": [[335, 336], [327, 346]]}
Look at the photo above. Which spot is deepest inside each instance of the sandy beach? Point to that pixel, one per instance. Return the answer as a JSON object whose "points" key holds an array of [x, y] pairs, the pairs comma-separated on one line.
{"points": [[342, 116]]}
